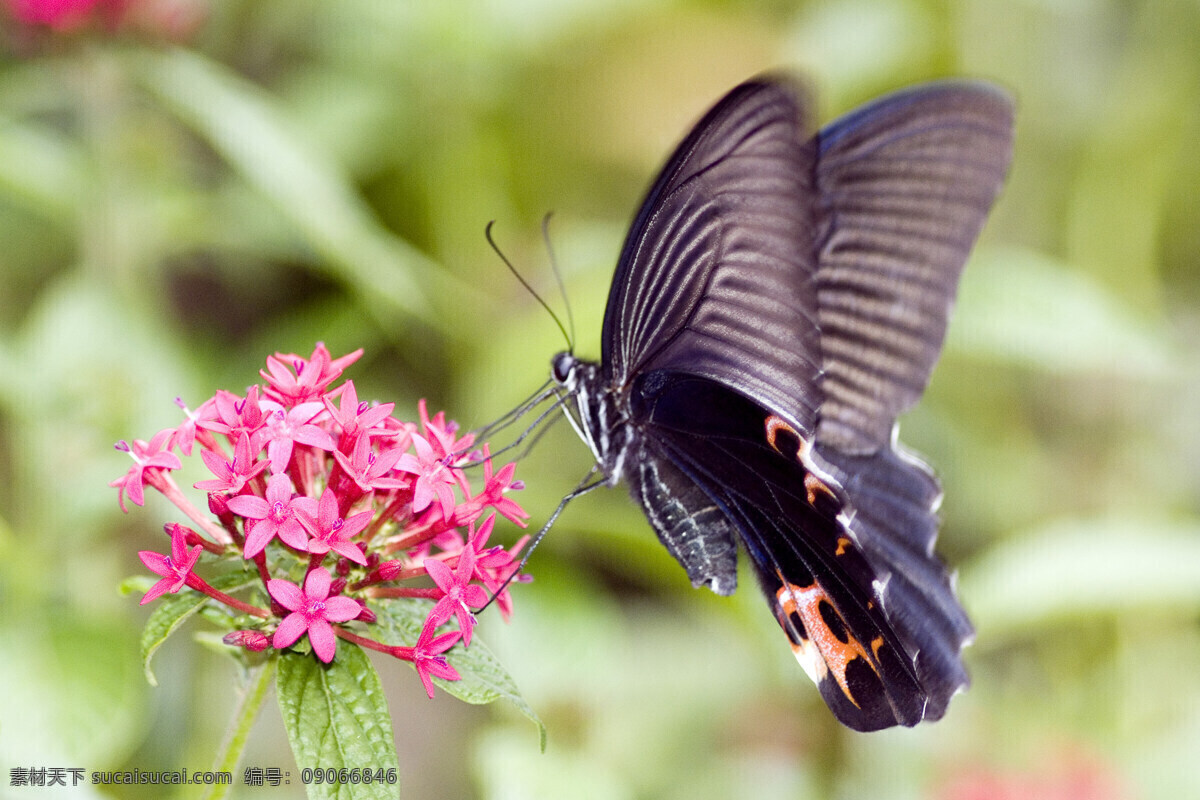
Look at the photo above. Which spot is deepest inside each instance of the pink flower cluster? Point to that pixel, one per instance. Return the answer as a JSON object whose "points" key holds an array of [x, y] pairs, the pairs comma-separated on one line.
{"points": [[309, 482]]}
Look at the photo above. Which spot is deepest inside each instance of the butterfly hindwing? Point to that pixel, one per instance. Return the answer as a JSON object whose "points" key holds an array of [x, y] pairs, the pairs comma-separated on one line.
{"points": [[894, 496], [816, 578]]}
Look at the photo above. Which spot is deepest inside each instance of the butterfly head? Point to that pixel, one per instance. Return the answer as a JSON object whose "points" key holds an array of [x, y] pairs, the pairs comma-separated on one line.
{"points": [[564, 368]]}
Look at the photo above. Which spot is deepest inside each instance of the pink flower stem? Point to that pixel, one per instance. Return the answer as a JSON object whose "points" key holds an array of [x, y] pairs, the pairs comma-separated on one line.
{"points": [[164, 483], [404, 591], [260, 562], [412, 538], [301, 470], [196, 582], [208, 441], [399, 651]]}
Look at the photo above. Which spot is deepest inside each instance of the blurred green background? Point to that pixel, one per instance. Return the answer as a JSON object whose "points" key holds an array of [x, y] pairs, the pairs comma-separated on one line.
{"points": [[187, 186]]}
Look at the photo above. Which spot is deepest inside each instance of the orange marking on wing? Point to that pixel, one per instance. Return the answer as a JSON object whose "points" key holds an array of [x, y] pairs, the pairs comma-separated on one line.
{"points": [[837, 655], [842, 543], [774, 426], [876, 645], [812, 485]]}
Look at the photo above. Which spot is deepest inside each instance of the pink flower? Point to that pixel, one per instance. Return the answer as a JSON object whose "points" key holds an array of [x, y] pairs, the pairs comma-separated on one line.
{"points": [[174, 568], [434, 478], [312, 375], [274, 516], [495, 565], [185, 434], [355, 418], [235, 415], [366, 501], [284, 428], [329, 530], [312, 612], [495, 487], [370, 470], [427, 658], [145, 456], [441, 433], [461, 595], [231, 475]]}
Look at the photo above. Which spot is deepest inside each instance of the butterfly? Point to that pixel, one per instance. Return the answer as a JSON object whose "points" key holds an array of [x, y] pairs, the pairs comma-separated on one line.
{"points": [[780, 299]]}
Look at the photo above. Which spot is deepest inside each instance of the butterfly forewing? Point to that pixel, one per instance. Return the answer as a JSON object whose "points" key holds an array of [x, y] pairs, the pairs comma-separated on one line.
{"points": [[905, 185], [716, 275]]}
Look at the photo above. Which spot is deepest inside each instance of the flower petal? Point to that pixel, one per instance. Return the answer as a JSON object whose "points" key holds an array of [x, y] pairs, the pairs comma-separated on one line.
{"points": [[292, 628]]}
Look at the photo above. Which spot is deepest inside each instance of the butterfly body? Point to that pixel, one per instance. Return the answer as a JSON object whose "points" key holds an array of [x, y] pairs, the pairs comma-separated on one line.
{"points": [[780, 298]]}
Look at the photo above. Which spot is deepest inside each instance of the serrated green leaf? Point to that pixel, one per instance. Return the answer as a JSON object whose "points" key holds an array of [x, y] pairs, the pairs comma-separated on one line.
{"points": [[484, 679], [173, 610], [337, 718]]}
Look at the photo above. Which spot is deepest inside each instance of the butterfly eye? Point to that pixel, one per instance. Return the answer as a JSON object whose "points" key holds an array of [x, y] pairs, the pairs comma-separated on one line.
{"points": [[562, 366]]}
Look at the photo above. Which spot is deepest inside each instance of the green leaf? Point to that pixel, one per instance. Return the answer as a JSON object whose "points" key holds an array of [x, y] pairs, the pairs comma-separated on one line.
{"points": [[1078, 568], [1031, 309], [337, 718], [484, 679], [41, 168], [173, 610], [249, 130]]}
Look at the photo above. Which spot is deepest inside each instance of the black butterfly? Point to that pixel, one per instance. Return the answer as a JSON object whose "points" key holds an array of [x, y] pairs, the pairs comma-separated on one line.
{"points": [[780, 299]]}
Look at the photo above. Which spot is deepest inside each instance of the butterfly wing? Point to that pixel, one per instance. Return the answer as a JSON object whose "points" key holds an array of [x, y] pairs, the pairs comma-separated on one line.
{"points": [[820, 584], [777, 303], [905, 183], [716, 275]]}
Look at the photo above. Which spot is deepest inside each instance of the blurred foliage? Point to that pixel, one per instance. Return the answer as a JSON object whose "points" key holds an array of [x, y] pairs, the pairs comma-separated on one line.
{"points": [[181, 195]]}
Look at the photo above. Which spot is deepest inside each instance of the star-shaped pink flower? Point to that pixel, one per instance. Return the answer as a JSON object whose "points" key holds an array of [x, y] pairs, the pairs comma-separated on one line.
{"points": [[434, 478], [329, 531], [427, 658], [274, 516], [369, 469], [355, 418], [146, 455], [231, 475], [460, 594], [311, 376], [494, 565], [174, 568], [312, 612], [495, 487], [185, 435], [283, 428], [235, 415], [441, 434]]}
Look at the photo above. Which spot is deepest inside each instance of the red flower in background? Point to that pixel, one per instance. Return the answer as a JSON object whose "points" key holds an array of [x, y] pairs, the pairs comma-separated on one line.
{"points": [[164, 19], [55, 13]]}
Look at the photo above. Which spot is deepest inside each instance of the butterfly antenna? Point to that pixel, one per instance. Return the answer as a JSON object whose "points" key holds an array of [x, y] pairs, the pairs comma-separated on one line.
{"points": [[562, 288], [586, 485], [535, 426], [496, 248], [544, 392]]}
